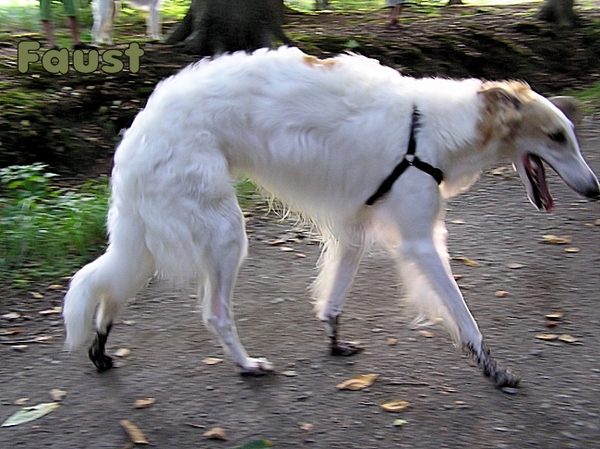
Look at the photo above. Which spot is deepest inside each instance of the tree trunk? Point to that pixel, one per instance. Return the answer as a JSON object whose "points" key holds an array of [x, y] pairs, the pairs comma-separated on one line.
{"points": [[559, 12], [216, 26]]}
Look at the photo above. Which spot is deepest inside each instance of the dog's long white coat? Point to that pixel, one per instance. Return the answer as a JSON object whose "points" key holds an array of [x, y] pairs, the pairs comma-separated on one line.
{"points": [[320, 136]]}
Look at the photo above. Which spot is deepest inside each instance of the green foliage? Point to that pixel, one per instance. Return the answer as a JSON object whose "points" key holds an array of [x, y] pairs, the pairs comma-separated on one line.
{"points": [[47, 231]]}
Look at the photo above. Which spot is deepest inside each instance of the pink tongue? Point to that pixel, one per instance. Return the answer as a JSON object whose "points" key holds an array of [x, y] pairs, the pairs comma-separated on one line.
{"points": [[544, 192]]}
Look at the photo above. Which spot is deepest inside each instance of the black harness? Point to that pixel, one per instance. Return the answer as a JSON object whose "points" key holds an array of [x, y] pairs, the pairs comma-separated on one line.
{"points": [[409, 160]]}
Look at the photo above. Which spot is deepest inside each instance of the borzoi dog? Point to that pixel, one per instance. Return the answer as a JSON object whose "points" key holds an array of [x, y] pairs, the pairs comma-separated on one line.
{"points": [[105, 14], [367, 154]]}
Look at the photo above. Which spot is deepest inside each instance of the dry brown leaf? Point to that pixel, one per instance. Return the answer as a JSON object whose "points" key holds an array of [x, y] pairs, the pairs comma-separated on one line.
{"points": [[395, 406], [212, 361], [216, 433], [426, 334], [21, 401], [306, 426], [135, 434], [515, 266], [11, 332], [287, 249], [43, 338], [55, 310], [56, 287], [11, 316], [554, 316], [301, 256], [550, 323], [144, 402], [57, 395], [547, 337], [36, 295], [276, 242], [358, 383], [572, 249], [392, 341], [122, 352], [468, 262], [566, 338], [500, 294], [457, 277], [555, 240], [597, 222]]}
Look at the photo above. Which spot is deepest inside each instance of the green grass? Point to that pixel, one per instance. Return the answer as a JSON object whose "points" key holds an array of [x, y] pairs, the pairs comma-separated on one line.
{"points": [[46, 232]]}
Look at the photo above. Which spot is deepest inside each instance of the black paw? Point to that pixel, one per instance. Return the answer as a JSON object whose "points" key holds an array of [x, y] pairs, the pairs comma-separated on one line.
{"points": [[99, 358], [345, 348]]}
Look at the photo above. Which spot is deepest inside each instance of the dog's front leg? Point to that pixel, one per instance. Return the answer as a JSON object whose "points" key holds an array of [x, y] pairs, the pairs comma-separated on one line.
{"points": [[456, 315], [339, 264]]}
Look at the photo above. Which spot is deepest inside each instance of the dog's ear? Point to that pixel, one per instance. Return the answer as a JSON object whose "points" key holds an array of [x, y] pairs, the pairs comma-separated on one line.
{"points": [[569, 106], [502, 107], [503, 94]]}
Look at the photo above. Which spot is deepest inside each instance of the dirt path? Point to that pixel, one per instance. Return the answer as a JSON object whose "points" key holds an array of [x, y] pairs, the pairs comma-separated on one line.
{"points": [[452, 405]]}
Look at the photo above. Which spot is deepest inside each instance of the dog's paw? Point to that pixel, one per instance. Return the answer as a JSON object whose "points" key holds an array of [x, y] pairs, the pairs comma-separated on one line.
{"points": [[102, 361], [345, 348], [256, 367]]}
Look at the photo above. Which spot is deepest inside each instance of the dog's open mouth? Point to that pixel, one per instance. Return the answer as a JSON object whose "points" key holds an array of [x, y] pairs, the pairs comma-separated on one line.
{"points": [[536, 174]]}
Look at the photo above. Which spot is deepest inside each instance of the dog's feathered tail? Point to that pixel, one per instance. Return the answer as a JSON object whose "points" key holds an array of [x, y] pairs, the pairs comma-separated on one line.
{"points": [[107, 283]]}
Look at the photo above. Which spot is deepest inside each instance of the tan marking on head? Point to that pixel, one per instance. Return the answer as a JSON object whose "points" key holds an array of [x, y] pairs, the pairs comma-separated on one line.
{"points": [[316, 62], [502, 104]]}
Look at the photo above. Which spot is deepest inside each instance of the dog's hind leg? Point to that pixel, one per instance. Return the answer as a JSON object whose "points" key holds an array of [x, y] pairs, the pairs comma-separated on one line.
{"points": [[223, 256], [338, 265]]}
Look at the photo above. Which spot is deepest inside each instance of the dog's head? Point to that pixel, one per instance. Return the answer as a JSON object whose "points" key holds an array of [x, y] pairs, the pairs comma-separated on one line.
{"points": [[534, 130]]}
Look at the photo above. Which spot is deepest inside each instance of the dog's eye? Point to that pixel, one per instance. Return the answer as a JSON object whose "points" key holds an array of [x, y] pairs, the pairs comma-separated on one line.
{"points": [[558, 137]]}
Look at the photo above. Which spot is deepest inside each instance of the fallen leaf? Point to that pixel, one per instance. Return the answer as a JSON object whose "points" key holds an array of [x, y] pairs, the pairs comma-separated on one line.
{"points": [[426, 334], [56, 287], [515, 266], [554, 316], [572, 249], [19, 348], [276, 242], [554, 240], [547, 337], [57, 395], [301, 256], [122, 352], [36, 295], [27, 414], [392, 341], [144, 402], [306, 426], [135, 434], [21, 401], [290, 373], [395, 406], [11, 332], [566, 338], [286, 249], [597, 222], [55, 310], [11, 316], [359, 382], [468, 262], [457, 277], [216, 433], [256, 444], [500, 294], [399, 422], [212, 361], [459, 221], [43, 338], [551, 323]]}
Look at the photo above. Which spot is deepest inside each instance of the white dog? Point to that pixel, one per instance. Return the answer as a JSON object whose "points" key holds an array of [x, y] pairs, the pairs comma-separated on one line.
{"points": [[323, 136], [105, 14]]}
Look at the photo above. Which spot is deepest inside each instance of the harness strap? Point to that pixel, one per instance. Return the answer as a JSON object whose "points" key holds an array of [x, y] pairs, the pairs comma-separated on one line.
{"points": [[409, 159]]}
